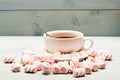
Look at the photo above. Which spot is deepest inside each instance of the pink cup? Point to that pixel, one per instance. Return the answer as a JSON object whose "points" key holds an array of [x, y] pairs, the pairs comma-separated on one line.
{"points": [[65, 41]]}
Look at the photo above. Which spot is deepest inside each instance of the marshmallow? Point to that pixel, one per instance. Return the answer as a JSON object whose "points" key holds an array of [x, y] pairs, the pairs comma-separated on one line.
{"points": [[39, 65], [105, 54], [9, 59], [30, 68], [87, 67], [74, 63], [15, 67], [56, 68], [78, 72], [92, 52], [64, 67], [46, 68], [27, 60]]}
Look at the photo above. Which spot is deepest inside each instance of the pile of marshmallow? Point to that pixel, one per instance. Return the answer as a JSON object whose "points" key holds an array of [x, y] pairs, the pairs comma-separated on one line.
{"points": [[46, 62]]}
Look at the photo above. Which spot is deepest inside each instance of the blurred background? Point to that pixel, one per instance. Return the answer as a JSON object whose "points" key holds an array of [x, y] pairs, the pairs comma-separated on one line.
{"points": [[92, 17]]}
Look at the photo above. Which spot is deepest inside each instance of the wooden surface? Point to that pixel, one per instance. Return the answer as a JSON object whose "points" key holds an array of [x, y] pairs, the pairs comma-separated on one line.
{"points": [[92, 17], [15, 46], [90, 22], [58, 4]]}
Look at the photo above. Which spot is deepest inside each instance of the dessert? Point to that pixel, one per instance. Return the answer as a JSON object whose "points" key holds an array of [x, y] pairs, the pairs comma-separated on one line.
{"points": [[64, 67], [26, 59], [38, 64], [30, 68], [9, 59], [93, 60], [56, 68], [46, 68], [78, 72], [15, 67]]}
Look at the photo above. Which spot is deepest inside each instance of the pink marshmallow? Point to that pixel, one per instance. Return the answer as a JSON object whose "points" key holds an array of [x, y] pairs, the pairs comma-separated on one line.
{"points": [[39, 65], [88, 69], [56, 68], [45, 58], [64, 67], [95, 67], [92, 63], [101, 64], [27, 60], [9, 59], [74, 62], [78, 72], [46, 68], [92, 52], [15, 67], [105, 54], [30, 68]]}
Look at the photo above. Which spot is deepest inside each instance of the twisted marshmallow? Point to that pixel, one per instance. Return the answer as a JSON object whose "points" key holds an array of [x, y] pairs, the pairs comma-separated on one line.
{"points": [[46, 68], [74, 63], [27, 59], [9, 59], [56, 68], [15, 67], [30, 68], [61, 67], [87, 67], [92, 52], [64, 67], [92, 63], [78, 72], [39, 65]]}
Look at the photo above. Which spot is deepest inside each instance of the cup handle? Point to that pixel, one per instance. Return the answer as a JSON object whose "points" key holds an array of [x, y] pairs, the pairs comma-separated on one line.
{"points": [[87, 39]]}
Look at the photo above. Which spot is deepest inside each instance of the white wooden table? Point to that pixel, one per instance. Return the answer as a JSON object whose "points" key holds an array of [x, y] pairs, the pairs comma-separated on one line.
{"points": [[15, 45]]}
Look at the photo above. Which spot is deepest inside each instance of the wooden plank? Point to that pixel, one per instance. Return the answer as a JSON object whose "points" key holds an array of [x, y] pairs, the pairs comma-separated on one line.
{"points": [[90, 22], [58, 4]]}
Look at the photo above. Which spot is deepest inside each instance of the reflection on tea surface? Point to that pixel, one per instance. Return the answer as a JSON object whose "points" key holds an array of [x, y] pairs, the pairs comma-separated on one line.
{"points": [[64, 36]]}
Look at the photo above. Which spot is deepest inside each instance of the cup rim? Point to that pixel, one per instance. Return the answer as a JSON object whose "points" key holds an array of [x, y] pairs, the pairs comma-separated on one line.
{"points": [[69, 31]]}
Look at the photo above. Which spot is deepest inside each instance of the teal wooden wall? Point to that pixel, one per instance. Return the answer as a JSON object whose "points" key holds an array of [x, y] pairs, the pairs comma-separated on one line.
{"points": [[58, 4], [92, 17]]}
